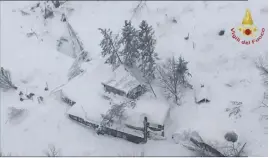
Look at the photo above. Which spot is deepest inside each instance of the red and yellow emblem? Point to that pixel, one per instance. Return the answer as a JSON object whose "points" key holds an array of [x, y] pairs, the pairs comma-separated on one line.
{"points": [[248, 28]]}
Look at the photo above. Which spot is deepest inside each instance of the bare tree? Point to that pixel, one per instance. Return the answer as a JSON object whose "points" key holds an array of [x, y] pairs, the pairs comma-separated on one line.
{"points": [[139, 7], [172, 75], [262, 65], [169, 81], [5, 80], [235, 109], [233, 150], [52, 151]]}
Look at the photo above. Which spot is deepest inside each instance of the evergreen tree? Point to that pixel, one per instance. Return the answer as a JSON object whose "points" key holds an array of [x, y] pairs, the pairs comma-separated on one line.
{"points": [[129, 41], [147, 52], [182, 71], [110, 47]]}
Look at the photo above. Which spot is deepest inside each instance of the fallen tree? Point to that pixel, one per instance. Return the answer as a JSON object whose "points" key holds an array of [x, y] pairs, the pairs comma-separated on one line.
{"points": [[202, 148], [5, 80]]}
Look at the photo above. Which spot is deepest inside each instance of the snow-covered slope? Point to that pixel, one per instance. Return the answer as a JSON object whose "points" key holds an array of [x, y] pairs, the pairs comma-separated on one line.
{"points": [[213, 60]]}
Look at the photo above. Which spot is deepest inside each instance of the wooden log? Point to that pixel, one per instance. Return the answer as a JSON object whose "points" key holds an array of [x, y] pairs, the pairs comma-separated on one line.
{"points": [[206, 147]]}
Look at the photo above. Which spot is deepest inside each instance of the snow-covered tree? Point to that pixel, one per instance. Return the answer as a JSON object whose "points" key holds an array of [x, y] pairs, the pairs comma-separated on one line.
{"points": [[182, 71], [147, 52], [231, 136], [115, 113], [133, 48], [110, 47], [5, 80], [173, 77], [129, 41]]}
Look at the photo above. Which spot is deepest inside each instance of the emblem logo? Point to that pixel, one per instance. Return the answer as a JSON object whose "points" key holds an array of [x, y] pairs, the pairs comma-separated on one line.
{"points": [[247, 33]]}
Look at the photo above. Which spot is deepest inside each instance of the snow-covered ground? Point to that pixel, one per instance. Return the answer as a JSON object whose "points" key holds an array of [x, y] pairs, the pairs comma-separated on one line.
{"points": [[215, 61]]}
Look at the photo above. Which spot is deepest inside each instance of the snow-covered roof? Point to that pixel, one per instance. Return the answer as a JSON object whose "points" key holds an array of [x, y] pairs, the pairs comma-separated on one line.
{"points": [[122, 79], [154, 109], [93, 115], [202, 92], [86, 90], [91, 111], [127, 130]]}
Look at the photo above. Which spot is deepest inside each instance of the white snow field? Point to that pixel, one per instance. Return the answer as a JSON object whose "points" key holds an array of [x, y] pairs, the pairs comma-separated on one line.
{"points": [[215, 61]]}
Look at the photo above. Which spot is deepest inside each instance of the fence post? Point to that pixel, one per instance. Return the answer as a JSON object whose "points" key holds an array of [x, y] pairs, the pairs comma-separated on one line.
{"points": [[145, 129]]}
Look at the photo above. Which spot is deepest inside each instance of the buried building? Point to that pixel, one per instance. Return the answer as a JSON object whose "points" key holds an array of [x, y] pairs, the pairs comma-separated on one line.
{"points": [[124, 83], [202, 94], [143, 121]]}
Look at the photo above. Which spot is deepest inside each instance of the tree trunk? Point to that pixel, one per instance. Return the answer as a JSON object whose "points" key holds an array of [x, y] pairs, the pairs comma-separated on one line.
{"points": [[152, 90], [176, 98], [206, 147]]}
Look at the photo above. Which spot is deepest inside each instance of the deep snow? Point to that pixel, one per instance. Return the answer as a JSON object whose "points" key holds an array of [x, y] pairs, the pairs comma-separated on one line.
{"points": [[215, 61]]}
